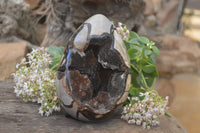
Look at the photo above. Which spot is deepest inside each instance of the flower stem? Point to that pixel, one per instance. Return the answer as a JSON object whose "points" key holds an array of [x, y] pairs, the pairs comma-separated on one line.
{"points": [[143, 79], [56, 65]]}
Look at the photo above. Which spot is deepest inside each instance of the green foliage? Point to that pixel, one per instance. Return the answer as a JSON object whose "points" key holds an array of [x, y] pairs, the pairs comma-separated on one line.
{"points": [[156, 51], [56, 52], [135, 92], [142, 53], [168, 115]]}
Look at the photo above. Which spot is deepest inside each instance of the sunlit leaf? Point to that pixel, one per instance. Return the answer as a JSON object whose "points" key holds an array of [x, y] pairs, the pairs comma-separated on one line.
{"points": [[144, 40], [149, 68], [131, 52], [153, 58], [133, 35], [146, 51], [150, 79], [127, 44], [156, 50], [134, 41], [56, 52]]}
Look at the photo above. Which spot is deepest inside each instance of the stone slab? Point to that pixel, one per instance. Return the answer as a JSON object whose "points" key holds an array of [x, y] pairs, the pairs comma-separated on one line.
{"points": [[17, 116]]}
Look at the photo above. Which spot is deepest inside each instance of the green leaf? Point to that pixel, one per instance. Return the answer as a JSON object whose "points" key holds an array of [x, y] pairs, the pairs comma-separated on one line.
{"points": [[168, 115], [149, 68], [133, 61], [143, 62], [55, 51], [131, 52], [137, 47], [133, 35], [150, 81], [146, 51], [134, 92], [144, 40], [153, 58], [134, 75], [139, 79], [156, 50], [127, 44], [149, 78], [55, 62], [134, 41]]}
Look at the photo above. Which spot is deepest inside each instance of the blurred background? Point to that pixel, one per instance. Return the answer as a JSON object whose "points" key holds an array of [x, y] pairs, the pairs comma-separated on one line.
{"points": [[173, 24]]}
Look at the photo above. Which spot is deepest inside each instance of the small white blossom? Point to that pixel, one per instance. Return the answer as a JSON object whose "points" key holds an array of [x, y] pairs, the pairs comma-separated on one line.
{"points": [[138, 122], [132, 121], [17, 66], [34, 80], [144, 124], [122, 31], [144, 112], [141, 94]]}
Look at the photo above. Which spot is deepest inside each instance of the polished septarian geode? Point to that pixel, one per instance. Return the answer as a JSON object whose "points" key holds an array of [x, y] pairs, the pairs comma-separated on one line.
{"points": [[94, 73]]}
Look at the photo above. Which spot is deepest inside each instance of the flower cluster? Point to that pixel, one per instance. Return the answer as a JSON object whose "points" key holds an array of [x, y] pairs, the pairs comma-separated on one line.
{"points": [[122, 31], [145, 109], [35, 82]]}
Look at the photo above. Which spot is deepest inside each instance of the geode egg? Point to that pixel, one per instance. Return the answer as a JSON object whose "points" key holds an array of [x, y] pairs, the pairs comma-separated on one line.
{"points": [[93, 77]]}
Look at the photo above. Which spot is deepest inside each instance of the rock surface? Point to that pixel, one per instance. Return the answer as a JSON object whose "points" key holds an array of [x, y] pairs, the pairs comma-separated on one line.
{"points": [[36, 5], [70, 14], [149, 7], [167, 13], [17, 116], [10, 55], [178, 54], [17, 20], [186, 103], [165, 88]]}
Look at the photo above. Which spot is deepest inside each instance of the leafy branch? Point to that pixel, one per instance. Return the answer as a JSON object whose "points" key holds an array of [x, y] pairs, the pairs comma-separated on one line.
{"points": [[56, 52], [142, 53]]}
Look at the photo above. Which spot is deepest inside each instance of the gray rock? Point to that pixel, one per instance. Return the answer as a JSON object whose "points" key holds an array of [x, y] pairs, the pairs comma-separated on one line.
{"points": [[17, 116]]}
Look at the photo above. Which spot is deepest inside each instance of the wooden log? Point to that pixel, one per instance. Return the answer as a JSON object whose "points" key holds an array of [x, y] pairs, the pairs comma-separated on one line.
{"points": [[17, 116]]}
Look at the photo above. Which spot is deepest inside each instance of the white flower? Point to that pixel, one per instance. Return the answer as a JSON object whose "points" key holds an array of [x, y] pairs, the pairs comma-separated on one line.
{"points": [[146, 94], [17, 65], [167, 98], [122, 31], [155, 116], [119, 24], [148, 115], [138, 122], [33, 82], [144, 112], [154, 123], [141, 94], [23, 61], [131, 121], [136, 115], [144, 124]]}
